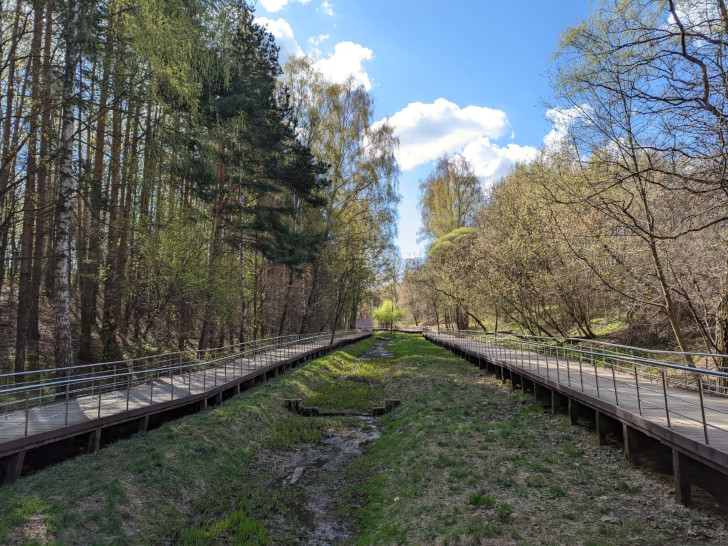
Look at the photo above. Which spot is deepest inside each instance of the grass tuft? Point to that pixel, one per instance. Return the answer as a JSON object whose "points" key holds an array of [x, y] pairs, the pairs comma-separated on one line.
{"points": [[480, 499]]}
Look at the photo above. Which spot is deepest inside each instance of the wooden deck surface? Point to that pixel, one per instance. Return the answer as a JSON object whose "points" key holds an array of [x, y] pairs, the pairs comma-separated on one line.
{"points": [[56, 415], [598, 382]]}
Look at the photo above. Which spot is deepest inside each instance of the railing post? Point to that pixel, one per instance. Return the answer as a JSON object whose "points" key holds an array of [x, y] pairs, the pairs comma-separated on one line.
{"points": [[68, 387], [637, 384], [26, 413], [581, 371], [7, 397], [523, 357], [596, 374], [558, 368], [98, 412], [614, 381], [128, 390], [171, 384], [702, 409], [664, 392], [546, 354], [568, 371]]}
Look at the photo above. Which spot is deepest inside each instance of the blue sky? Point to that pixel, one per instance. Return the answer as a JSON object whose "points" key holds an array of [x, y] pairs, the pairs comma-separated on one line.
{"points": [[462, 77]]}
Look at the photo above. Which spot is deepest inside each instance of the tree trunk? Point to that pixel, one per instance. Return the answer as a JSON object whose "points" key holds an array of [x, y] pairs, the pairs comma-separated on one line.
{"points": [[478, 321], [286, 302], [41, 215], [30, 204], [5, 152], [461, 318], [112, 295], [66, 188], [721, 332], [243, 285], [90, 259], [670, 305]]}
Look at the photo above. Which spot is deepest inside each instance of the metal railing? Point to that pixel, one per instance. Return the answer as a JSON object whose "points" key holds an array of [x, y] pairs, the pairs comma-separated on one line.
{"points": [[58, 395], [683, 390]]}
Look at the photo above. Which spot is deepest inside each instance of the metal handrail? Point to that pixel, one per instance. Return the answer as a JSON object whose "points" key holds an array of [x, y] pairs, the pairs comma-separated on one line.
{"points": [[64, 385], [632, 377], [561, 340], [156, 356]]}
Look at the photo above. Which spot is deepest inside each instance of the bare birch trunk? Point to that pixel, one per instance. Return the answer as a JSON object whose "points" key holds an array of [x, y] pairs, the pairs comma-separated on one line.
{"points": [[66, 186]]}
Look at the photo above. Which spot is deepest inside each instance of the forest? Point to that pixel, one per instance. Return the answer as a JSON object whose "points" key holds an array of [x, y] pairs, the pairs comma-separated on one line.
{"points": [[166, 185], [618, 227]]}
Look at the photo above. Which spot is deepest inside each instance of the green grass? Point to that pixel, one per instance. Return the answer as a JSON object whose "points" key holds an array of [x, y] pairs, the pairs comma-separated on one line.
{"points": [[239, 527], [457, 462], [479, 499]]}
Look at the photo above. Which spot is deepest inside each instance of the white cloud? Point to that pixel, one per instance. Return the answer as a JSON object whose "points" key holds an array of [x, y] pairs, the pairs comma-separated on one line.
{"points": [[347, 60], [562, 119], [276, 5], [327, 8], [316, 41], [490, 161], [427, 131], [283, 34]]}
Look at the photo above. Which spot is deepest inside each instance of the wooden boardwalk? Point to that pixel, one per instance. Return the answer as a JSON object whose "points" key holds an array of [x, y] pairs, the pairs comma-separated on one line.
{"points": [[43, 426], [671, 415], [55, 415]]}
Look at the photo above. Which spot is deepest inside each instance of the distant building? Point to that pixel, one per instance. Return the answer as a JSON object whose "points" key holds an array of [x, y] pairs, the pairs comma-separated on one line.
{"points": [[364, 323]]}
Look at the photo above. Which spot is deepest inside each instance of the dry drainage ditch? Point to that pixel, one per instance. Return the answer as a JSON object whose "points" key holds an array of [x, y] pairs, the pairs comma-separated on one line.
{"points": [[309, 481]]}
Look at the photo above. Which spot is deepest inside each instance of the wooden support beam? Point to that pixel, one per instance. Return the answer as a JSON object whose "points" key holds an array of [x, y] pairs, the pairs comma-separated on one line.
{"points": [[15, 467], [573, 411], [631, 443], [601, 428], [681, 475], [94, 441]]}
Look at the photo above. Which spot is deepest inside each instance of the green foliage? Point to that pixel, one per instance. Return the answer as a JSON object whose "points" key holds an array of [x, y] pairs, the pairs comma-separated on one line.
{"points": [[386, 315], [450, 197]]}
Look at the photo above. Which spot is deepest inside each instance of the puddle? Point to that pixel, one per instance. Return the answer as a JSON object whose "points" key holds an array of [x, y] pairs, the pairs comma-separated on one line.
{"points": [[310, 479]]}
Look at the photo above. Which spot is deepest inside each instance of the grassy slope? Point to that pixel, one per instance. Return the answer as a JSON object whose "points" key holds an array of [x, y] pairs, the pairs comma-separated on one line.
{"points": [[151, 487], [462, 461], [466, 461]]}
